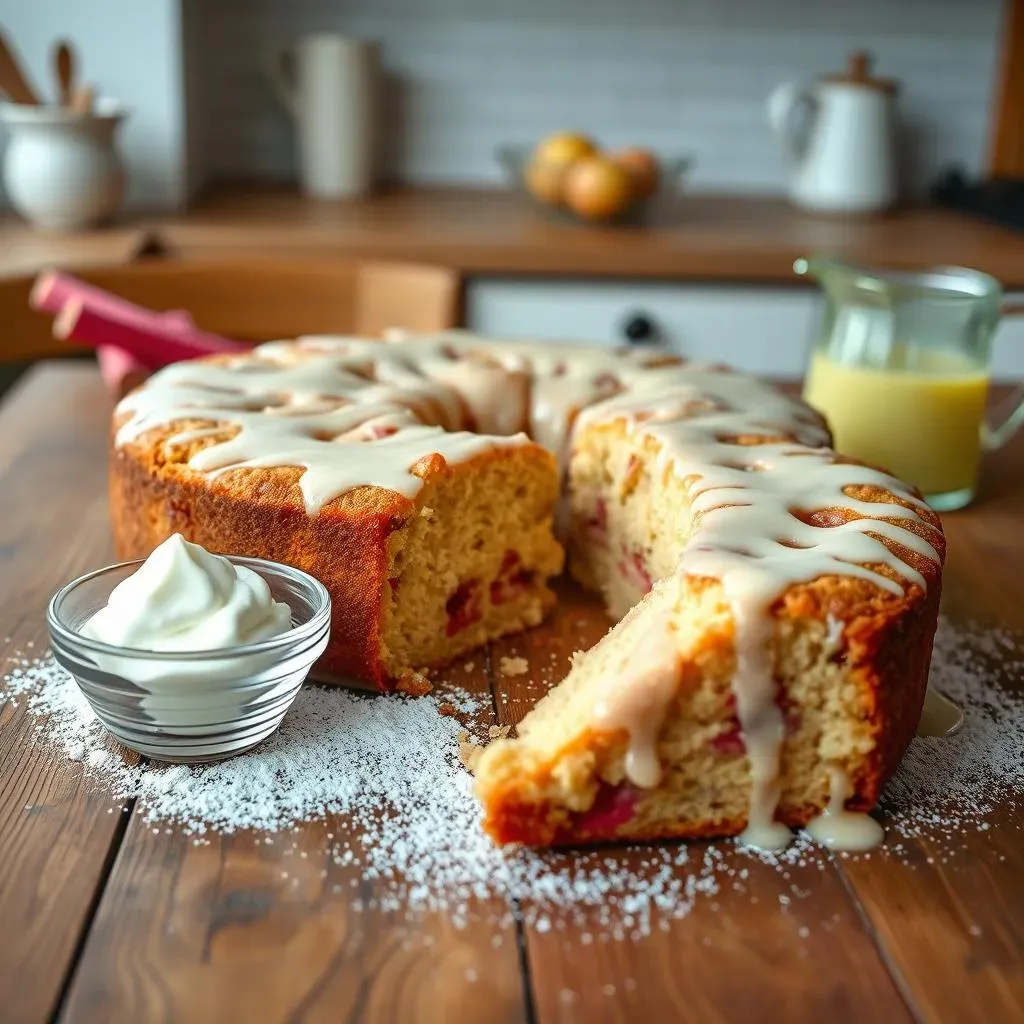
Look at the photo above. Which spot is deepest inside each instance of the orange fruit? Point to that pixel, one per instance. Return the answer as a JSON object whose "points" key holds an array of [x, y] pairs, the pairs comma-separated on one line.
{"points": [[598, 188], [543, 181], [563, 148], [642, 166]]}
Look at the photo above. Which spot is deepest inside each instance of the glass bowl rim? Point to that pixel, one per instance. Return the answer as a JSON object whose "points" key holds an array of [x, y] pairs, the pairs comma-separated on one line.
{"points": [[320, 618]]}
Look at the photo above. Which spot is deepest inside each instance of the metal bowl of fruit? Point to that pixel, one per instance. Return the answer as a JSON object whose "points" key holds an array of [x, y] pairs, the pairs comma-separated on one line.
{"points": [[567, 176]]}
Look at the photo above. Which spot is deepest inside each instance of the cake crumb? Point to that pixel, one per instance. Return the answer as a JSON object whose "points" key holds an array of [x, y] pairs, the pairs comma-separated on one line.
{"points": [[513, 666], [426, 511], [446, 708], [469, 666], [469, 751], [498, 732], [415, 684]]}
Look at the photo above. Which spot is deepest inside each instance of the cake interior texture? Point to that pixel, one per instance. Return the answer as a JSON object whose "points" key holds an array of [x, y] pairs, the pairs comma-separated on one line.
{"points": [[565, 781], [776, 604]]}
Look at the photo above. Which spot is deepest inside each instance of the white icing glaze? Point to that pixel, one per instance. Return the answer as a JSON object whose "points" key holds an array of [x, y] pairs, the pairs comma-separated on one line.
{"points": [[323, 403], [645, 683], [840, 829], [746, 535]]}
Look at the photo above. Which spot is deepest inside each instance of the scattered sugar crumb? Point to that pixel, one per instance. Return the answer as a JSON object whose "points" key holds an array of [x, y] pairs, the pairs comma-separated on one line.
{"points": [[347, 757], [498, 732], [469, 751], [415, 684], [513, 666]]}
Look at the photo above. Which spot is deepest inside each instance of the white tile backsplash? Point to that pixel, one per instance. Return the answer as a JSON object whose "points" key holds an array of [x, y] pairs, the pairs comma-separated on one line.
{"points": [[682, 76]]}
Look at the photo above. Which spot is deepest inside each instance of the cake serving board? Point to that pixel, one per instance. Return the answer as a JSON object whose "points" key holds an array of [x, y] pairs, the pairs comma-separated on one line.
{"points": [[109, 916]]}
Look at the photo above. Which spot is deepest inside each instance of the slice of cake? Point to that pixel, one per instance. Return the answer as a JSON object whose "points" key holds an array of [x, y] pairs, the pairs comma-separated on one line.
{"points": [[777, 666]]}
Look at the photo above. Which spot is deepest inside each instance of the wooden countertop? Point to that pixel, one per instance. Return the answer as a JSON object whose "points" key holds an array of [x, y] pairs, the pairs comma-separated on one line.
{"points": [[487, 231], [108, 918]]}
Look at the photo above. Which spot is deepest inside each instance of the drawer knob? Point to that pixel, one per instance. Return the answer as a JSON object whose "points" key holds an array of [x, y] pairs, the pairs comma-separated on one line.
{"points": [[640, 329]]}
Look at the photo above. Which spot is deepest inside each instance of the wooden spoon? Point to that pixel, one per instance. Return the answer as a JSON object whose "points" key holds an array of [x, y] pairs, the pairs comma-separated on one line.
{"points": [[82, 99], [12, 78], [64, 66]]}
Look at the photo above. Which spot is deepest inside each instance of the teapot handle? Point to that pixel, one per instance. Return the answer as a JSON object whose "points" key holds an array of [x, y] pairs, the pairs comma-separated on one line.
{"points": [[783, 104], [996, 437]]}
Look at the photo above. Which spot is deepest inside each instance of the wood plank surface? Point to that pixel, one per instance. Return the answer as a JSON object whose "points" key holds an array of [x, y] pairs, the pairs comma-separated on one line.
{"points": [[245, 930], [55, 834], [494, 231], [149, 926]]}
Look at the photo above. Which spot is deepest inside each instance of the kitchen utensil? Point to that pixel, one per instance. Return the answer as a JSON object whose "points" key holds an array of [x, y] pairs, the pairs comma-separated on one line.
{"points": [[82, 99], [61, 169], [901, 372], [328, 84], [12, 79], [64, 69], [837, 134]]}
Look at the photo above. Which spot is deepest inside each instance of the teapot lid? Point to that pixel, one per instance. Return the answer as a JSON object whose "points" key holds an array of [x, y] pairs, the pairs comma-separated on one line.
{"points": [[858, 72]]}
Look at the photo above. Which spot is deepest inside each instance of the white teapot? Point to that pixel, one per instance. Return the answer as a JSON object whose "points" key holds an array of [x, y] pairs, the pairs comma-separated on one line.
{"points": [[838, 137]]}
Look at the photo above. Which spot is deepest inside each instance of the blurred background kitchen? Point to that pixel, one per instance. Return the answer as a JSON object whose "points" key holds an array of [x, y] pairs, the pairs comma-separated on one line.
{"points": [[420, 122]]}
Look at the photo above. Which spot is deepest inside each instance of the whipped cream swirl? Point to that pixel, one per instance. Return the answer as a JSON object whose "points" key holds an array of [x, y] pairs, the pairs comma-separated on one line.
{"points": [[183, 598]]}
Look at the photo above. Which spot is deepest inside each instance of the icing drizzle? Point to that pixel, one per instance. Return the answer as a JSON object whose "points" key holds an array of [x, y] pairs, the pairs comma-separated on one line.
{"points": [[351, 412]]}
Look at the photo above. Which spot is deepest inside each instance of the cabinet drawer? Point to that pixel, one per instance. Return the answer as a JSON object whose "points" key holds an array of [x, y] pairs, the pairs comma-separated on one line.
{"points": [[764, 330], [760, 329]]}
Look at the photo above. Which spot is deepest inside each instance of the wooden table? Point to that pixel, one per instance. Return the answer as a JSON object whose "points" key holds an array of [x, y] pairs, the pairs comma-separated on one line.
{"points": [[103, 920]]}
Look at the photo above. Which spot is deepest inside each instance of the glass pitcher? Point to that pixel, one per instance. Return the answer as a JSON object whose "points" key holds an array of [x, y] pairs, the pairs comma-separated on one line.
{"points": [[901, 372]]}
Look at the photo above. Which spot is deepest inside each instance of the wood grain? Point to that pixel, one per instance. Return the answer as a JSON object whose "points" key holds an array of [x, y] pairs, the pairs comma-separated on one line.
{"points": [[242, 929], [488, 231], [55, 832]]}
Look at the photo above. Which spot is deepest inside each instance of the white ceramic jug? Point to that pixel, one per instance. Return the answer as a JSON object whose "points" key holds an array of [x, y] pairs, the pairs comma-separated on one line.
{"points": [[838, 137], [61, 169], [328, 84]]}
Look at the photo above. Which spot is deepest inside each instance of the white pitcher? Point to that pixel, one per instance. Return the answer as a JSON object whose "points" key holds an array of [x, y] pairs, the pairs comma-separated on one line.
{"points": [[328, 84], [62, 171], [837, 134]]}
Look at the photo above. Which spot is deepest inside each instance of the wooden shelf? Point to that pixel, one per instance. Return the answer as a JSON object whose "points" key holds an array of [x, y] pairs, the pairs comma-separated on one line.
{"points": [[477, 231], [725, 238]]}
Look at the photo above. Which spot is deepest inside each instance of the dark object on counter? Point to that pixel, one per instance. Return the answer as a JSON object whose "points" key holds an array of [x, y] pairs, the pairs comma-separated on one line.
{"points": [[1000, 200], [640, 329]]}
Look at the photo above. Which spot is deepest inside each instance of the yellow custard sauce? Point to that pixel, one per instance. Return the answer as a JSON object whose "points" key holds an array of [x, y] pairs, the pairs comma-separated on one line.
{"points": [[920, 417]]}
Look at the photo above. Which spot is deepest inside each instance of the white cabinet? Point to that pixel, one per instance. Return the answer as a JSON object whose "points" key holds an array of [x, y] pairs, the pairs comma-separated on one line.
{"points": [[761, 329]]}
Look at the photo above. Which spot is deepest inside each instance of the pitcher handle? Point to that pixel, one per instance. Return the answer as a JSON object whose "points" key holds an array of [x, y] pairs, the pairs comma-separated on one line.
{"points": [[783, 104], [1012, 421], [281, 72]]}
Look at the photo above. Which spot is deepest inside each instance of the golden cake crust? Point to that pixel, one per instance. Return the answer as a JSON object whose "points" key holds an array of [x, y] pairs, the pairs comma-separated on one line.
{"points": [[259, 512]]}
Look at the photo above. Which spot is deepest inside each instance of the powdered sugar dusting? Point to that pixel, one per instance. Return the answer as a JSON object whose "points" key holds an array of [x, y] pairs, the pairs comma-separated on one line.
{"points": [[407, 820]]}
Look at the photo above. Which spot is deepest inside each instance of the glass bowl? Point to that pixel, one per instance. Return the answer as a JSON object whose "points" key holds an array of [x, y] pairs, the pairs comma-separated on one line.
{"points": [[190, 707], [660, 208]]}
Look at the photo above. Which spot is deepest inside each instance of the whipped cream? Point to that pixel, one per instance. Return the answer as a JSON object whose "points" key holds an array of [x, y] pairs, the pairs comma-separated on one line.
{"points": [[183, 598]]}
